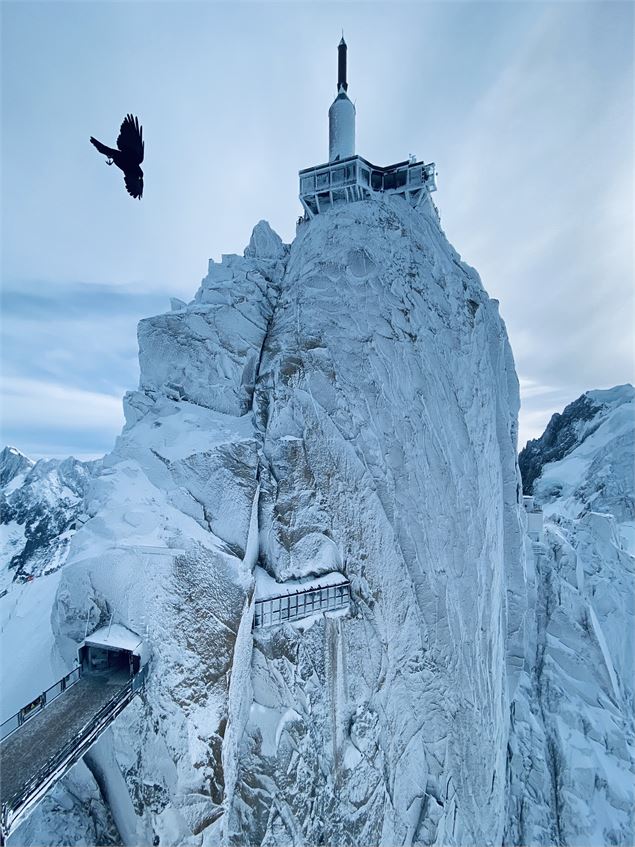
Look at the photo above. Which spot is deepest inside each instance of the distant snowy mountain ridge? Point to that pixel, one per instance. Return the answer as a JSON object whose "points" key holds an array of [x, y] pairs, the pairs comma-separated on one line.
{"points": [[41, 505], [611, 410], [571, 751]]}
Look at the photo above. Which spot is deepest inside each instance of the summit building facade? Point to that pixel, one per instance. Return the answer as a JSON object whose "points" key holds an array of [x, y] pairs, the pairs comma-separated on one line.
{"points": [[347, 177]]}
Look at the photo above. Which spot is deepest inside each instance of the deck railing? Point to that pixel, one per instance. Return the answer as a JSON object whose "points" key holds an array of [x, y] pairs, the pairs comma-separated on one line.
{"points": [[35, 706], [17, 807], [301, 604]]}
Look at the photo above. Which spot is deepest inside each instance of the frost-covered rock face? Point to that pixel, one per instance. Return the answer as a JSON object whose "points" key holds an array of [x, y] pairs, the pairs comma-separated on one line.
{"points": [[387, 403], [208, 353], [169, 549], [571, 756], [73, 812], [348, 404]]}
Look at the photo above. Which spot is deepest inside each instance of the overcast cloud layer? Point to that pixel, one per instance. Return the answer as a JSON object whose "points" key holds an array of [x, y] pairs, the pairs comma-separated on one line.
{"points": [[525, 107]]}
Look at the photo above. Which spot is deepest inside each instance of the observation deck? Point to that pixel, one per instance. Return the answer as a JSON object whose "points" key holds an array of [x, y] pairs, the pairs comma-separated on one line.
{"points": [[302, 603], [347, 180]]}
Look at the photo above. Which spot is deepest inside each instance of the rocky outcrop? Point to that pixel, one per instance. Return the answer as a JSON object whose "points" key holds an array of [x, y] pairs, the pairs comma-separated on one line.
{"points": [[348, 404], [571, 759], [387, 404]]}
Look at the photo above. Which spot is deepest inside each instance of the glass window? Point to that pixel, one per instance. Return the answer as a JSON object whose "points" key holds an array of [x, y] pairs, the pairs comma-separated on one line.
{"points": [[337, 176], [400, 178], [307, 183], [415, 176], [323, 179], [376, 181], [365, 175]]}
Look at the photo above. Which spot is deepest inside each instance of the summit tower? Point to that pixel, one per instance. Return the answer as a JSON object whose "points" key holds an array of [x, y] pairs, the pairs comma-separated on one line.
{"points": [[341, 114], [347, 177]]}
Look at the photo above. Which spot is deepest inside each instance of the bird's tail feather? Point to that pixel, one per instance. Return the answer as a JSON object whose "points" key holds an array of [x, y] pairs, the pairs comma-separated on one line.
{"points": [[107, 151]]}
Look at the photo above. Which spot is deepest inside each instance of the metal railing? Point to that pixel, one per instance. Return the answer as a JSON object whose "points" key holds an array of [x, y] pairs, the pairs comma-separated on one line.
{"points": [[301, 604], [15, 809], [35, 706]]}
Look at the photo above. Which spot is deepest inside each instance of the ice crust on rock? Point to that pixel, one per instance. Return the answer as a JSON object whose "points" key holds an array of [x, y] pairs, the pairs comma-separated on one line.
{"points": [[348, 404], [387, 403], [208, 353], [73, 812], [571, 756]]}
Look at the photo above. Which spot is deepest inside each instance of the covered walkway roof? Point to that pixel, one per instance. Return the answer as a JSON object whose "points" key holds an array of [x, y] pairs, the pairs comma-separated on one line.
{"points": [[115, 637]]}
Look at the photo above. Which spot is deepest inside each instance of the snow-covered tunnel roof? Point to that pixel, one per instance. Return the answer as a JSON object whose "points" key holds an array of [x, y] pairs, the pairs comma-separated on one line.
{"points": [[115, 637]]}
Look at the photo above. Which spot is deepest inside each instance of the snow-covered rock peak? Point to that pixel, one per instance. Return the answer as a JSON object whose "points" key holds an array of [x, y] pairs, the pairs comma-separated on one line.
{"points": [[568, 430], [585, 458], [265, 243], [345, 408], [613, 397], [12, 463], [40, 503]]}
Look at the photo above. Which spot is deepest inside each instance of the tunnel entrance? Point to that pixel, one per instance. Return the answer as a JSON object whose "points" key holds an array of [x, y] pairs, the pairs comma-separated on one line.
{"points": [[94, 659], [113, 650]]}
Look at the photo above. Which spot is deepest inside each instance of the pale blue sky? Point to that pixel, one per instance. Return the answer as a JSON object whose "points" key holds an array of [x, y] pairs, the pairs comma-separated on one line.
{"points": [[526, 108]]}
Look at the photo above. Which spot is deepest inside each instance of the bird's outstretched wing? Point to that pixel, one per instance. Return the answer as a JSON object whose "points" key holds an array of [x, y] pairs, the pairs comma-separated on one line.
{"points": [[107, 151], [130, 139], [134, 185]]}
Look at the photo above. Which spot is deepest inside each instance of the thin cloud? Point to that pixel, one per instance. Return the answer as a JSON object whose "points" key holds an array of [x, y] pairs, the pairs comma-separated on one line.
{"points": [[69, 355], [45, 419]]}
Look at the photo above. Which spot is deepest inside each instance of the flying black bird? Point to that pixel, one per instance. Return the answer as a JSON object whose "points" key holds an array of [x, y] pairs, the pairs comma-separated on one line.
{"points": [[129, 155]]}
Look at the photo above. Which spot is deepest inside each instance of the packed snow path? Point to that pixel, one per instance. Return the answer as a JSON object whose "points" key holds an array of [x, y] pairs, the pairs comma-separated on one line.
{"points": [[42, 750]]}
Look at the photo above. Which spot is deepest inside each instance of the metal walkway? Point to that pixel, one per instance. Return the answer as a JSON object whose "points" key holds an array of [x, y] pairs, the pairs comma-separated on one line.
{"points": [[37, 754], [301, 604]]}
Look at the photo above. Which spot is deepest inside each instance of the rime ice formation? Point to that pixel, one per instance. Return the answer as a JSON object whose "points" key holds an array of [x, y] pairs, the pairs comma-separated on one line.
{"points": [[571, 751], [344, 405], [387, 403], [341, 408], [73, 812]]}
